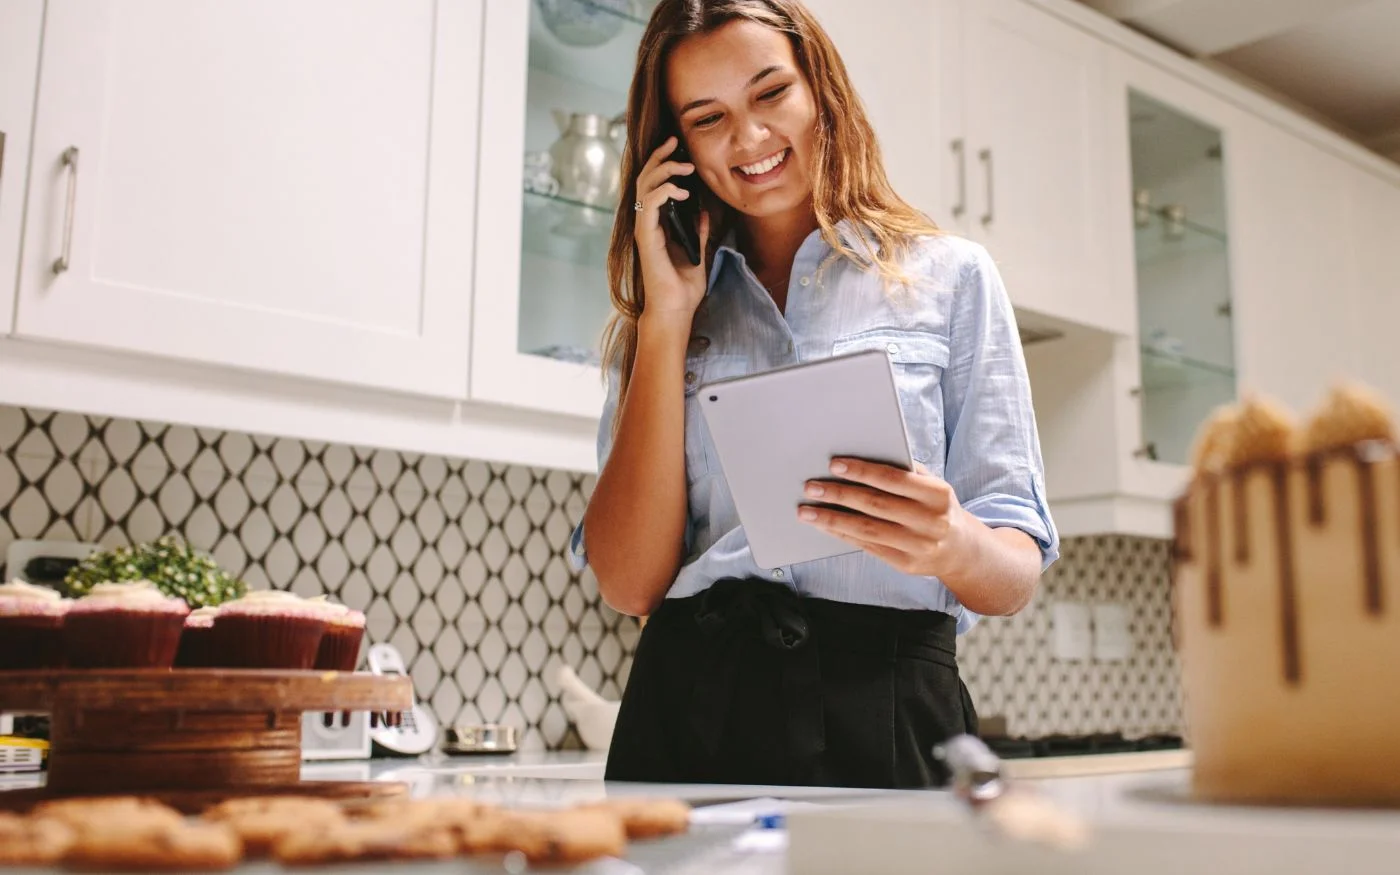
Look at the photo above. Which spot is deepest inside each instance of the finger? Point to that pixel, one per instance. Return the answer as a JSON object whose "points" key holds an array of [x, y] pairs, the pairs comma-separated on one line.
{"points": [[871, 502], [663, 193], [897, 559], [659, 154], [926, 489], [853, 527], [664, 171], [704, 229]]}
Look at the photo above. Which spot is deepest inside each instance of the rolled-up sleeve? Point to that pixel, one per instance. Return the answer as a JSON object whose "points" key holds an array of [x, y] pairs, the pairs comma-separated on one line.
{"points": [[994, 462], [578, 553]]}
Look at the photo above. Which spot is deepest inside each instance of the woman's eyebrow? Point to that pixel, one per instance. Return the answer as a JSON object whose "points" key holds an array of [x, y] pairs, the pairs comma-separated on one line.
{"points": [[757, 77]]}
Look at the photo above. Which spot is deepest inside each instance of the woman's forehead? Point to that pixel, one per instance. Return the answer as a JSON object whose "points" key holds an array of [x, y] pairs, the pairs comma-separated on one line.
{"points": [[722, 62]]}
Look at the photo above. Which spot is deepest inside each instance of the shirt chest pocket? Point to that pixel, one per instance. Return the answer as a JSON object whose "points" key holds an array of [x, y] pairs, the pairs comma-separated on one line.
{"points": [[700, 458], [918, 359]]}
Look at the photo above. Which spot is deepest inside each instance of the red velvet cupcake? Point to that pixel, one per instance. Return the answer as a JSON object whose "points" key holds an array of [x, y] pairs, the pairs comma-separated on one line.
{"points": [[196, 647], [123, 625], [31, 626], [340, 647], [267, 629]]}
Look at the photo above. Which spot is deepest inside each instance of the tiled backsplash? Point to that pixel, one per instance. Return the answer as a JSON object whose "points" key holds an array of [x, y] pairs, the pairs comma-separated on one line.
{"points": [[461, 565]]}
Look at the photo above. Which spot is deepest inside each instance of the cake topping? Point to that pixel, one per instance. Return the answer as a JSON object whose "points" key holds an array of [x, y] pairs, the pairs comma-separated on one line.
{"points": [[1263, 431], [1212, 450], [18, 589], [1350, 415], [139, 595], [201, 618], [273, 602]]}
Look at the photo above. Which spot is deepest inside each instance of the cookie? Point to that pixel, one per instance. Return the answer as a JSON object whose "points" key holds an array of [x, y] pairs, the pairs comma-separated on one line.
{"points": [[648, 818], [32, 841], [368, 839], [261, 821], [82, 812], [571, 836], [114, 845]]}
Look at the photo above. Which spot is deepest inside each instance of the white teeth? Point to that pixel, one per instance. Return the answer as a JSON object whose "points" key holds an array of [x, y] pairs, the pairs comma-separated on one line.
{"points": [[765, 165]]}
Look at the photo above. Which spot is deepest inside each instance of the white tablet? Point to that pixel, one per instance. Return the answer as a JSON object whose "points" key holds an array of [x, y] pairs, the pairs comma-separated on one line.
{"points": [[778, 429]]}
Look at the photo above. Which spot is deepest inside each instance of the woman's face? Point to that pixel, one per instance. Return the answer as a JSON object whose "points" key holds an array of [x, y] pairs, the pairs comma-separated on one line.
{"points": [[747, 115]]}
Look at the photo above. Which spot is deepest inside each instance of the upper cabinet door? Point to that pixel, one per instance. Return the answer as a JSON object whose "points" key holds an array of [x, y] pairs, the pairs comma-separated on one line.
{"points": [[1036, 125], [280, 187], [20, 24], [889, 49], [1375, 236]]}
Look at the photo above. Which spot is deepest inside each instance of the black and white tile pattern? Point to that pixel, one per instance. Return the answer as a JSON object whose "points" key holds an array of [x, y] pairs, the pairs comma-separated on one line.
{"points": [[462, 565]]}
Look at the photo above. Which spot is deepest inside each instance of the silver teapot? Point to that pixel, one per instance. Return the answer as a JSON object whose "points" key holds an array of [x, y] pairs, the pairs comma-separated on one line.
{"points": [[586, 160]]}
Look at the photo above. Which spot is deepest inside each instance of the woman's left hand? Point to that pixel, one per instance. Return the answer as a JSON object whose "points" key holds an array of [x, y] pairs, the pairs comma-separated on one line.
{"points": [[910, 519]]}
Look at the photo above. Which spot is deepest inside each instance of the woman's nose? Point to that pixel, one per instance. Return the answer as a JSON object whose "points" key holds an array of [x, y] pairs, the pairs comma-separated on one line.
{"points": [[750, 135]]}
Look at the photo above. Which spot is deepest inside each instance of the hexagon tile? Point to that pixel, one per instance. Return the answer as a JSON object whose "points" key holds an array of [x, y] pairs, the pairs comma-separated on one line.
{"points": [[462, 565], [457, 563]]}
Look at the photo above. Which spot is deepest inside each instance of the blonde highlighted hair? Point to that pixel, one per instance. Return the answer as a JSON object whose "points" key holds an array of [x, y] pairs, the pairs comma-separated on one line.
{"points": [[848, 179]]}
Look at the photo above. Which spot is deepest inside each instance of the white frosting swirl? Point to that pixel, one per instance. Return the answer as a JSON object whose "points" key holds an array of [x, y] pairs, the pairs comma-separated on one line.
{"points": [[202, 617], [271, 602], [18, 589], [139, 595]]}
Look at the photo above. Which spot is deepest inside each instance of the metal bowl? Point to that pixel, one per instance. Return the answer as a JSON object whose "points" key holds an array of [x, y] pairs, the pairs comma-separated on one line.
{"points": [[465, 738]]}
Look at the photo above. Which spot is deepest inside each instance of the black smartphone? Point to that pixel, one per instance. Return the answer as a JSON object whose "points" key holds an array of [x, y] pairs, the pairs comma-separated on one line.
{"points": [[682, 218]]}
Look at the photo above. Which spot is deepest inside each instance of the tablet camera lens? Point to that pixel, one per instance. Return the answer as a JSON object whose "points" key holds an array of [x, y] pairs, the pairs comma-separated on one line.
{"points": [[714, 397]]}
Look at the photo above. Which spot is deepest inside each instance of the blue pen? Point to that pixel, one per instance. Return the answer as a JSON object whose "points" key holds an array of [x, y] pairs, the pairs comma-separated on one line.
{"points": [[770, 821]]}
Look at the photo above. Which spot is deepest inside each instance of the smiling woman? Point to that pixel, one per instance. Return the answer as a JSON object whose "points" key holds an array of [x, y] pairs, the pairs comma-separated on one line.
{"points": [[840, 671]]}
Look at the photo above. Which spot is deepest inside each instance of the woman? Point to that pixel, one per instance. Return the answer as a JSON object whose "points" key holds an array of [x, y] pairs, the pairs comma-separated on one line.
{"points": [[839, 671]]}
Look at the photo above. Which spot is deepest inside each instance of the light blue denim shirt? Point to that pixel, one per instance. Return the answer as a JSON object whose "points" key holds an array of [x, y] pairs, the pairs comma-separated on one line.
{"points": [[961, 376]]}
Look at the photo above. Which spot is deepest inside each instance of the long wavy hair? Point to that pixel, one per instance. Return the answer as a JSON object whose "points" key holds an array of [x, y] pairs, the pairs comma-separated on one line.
{"points": [[848, 179]]}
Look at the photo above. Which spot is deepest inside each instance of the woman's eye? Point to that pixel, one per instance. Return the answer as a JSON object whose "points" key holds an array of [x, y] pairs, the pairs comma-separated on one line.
{"points": [[773, 93], [707, 121]]}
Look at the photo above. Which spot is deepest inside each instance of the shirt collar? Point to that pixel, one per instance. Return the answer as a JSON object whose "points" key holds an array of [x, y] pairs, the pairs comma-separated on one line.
{"points": [[857, 237]]}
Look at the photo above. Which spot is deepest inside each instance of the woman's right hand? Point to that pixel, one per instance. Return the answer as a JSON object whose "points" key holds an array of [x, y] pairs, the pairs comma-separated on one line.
{"points": [[673, 285]]}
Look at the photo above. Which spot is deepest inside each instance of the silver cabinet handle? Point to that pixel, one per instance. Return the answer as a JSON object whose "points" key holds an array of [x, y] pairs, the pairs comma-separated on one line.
{"points": [[961, 206], [70, 160], [985, 156]]}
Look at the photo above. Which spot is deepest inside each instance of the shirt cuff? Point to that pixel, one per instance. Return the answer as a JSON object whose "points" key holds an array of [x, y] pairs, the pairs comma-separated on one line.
{"points": [[578, 557], [998, 510]]}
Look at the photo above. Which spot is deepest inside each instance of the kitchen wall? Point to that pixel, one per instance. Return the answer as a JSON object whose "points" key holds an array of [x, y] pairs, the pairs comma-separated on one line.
{"points": [[461, 565]]}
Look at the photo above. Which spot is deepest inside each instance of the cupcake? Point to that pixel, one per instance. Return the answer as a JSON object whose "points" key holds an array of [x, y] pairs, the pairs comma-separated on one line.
{"points": [[267, 629], [31, 626], [123, 625], [345, 629], [195, 649]]}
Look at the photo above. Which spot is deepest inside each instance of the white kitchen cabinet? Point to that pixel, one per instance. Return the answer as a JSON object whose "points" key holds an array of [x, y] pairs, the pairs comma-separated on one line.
{"points": [[1375, 240], [1118, 414], [1028, 132], [285, 188], [20, 24], [1296, 290], [542, 296]]}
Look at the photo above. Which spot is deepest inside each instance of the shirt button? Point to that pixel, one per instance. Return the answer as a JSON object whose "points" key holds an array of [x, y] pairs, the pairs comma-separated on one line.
{"points": [[892, 348], [702, 343], [690, 378], [806, 281], [778, 573]]}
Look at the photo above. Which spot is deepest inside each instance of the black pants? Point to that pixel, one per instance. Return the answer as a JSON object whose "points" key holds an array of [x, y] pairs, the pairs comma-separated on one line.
{"points": [[750, 683]]}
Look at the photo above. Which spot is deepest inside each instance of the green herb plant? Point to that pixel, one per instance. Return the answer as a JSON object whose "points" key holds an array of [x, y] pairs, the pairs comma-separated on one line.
{"points": [[172, 565]]}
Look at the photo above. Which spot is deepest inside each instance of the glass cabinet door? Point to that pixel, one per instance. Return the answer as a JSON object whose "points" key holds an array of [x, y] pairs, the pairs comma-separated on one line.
{"points": [[581, 54], [1185, 322]]}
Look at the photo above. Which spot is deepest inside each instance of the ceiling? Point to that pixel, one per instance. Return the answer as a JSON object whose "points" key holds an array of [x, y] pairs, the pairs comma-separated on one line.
{"points": [[1336, 60]]}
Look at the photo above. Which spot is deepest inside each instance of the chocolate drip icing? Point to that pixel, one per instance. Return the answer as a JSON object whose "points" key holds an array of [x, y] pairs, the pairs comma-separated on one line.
{"points": [[1288, 603], [1214, 602], [1240, 515], [1370, 547], [1313, 465]]}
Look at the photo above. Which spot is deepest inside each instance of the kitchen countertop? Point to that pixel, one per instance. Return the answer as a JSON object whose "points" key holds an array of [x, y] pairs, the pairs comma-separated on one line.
{"points": [[567, 777]]}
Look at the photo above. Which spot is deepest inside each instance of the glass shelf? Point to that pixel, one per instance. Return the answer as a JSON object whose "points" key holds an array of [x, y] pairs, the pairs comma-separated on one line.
{"points": [[1152, 241], [1166, 371], [567, 230], [606, 65]]}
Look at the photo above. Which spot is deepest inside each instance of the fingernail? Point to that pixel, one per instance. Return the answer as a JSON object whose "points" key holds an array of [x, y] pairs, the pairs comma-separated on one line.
{"points": [[838, 467], [807, 513], [815, 490]]}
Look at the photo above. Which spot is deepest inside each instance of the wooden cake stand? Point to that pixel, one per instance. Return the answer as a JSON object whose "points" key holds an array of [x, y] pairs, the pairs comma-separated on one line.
{"points": [[190, 737]]}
